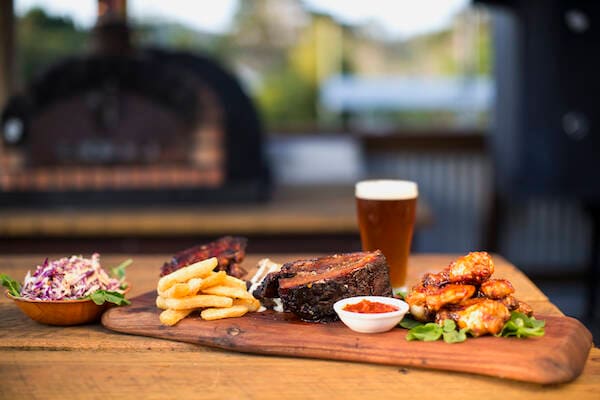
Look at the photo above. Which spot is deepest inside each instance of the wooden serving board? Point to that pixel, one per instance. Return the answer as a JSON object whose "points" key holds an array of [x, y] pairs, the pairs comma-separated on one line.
{"points": [[557, 357]]}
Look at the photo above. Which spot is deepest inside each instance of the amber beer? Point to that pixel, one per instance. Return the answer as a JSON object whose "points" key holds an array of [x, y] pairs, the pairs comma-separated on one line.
{"points": [[386, 218]]}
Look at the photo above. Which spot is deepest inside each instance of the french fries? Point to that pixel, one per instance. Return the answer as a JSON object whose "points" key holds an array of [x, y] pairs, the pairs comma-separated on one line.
{"points": [[171, 317], [188, 288], [251, 304], [216, 278], [228, 291], [197, 287], [161, 302], [200, 269], [234, 282], [210, 314], [198, 301]]}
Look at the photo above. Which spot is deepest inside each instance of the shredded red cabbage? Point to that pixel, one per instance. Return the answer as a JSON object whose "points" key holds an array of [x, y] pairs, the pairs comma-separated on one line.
{"points": [[68, 278]]}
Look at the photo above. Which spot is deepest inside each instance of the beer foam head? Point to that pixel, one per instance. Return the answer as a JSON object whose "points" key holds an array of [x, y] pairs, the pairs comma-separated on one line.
{"points": [[386, 190]]}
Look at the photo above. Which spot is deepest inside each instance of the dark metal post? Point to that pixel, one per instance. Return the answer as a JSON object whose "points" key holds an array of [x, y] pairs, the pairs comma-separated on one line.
{"points": [[7, 36], [593, 273]]}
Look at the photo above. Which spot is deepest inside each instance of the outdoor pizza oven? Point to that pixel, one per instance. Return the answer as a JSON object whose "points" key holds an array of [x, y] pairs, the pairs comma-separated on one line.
{"points": [[149, 125]]}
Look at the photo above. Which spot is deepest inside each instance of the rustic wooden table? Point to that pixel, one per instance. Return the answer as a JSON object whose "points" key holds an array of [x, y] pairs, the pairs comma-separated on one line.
{"points": [[38, 361]]}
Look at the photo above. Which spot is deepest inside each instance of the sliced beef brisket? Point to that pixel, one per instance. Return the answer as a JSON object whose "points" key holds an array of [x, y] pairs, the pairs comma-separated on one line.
{"points": [[309, 288]]}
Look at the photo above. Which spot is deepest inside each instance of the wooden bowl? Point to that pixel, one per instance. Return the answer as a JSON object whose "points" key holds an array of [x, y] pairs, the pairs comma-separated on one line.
{"points": [[60, 312]]}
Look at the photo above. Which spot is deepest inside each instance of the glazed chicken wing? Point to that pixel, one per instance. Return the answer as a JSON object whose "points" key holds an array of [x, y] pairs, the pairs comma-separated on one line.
{"points": [[417, 302], [524, 308], [496, 288], [449, 294], [464, 293], [424, 301], [479, 316], [513, 304], [473, 269], [510, 302]]}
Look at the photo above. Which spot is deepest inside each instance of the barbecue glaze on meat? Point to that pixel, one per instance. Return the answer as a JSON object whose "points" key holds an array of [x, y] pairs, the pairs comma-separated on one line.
{"points": [[229, 250], [309, 288]]}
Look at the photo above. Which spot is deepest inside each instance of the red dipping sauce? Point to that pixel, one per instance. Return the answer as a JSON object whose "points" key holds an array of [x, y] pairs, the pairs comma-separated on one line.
{"points": [[369, 307]]}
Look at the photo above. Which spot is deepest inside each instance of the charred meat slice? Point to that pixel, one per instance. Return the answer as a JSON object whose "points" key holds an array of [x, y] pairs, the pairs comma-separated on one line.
{"points": [[269, 287], [229, 250], [309, 288]]}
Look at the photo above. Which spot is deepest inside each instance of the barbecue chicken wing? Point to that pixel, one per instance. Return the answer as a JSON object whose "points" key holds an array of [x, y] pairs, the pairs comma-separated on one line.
{"points": [[479, 316], [417, 303], [496, 288], [474, 269], [524, 308], [510, 302], [424, 301], [464, 293], [449, 294]]}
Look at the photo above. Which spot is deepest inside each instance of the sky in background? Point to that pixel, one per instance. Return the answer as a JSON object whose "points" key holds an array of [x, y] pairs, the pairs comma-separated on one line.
{"points": [[398, 17]]}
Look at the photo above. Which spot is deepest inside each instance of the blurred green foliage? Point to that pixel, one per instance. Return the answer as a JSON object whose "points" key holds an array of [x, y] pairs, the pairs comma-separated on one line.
{"points": [[43, 39], [283, 63], [288, 99]]}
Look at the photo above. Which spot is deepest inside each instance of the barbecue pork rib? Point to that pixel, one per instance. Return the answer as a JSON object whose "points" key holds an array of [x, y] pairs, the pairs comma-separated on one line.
{"points": [[309, 288], [229, 250]]}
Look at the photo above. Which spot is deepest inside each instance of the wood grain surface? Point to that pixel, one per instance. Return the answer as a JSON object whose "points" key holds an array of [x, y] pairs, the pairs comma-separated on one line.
{"points": [[90, 361], [557, 357]]}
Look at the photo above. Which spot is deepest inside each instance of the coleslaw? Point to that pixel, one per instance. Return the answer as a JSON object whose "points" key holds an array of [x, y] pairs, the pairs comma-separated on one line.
{"points": [[69, 278]]}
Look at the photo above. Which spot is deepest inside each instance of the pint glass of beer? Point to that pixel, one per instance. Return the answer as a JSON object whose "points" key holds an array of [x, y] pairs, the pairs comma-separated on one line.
{"points": [[386, 218]]}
